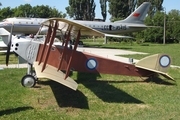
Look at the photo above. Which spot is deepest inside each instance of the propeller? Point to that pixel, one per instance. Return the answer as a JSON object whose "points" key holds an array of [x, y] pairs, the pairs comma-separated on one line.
{"points": [[9, 45]]}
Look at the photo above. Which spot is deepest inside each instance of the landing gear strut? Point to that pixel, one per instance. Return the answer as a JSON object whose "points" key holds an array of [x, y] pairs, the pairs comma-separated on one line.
{"points": [[30, 79]]}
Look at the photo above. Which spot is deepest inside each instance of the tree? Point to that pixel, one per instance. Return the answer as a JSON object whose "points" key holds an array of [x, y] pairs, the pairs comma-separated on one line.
{"points": [[81, 9], [132, 5], [89, 12], [23, 11], [28, 11], [152, 34], [42, 11], [103, 5], [156, 5], [118, 9], [6, 12], [173, 23]]}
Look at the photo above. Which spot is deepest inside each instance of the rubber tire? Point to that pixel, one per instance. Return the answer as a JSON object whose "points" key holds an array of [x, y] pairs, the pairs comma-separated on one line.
{"points": [[80, 42], [28, 81]]}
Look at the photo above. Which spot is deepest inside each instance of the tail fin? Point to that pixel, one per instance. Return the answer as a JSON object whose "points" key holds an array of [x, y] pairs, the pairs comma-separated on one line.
{"points": [[138, 15], [5, 35], [158, 63]]}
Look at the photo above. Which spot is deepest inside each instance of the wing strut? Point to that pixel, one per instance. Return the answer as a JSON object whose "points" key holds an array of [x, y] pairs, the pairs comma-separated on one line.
{"points": [[65, 47], [72, 54], [65, 35], [46, 41], [49, 46]]}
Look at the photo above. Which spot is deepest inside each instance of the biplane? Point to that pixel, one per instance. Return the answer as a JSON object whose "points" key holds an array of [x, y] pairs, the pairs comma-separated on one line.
{"points": [[56, 61]]}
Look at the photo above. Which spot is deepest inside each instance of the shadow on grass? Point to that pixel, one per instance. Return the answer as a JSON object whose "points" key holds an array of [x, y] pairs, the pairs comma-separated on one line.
{"points": [[160, 81], [14, 110], [149, 80], [104, 91], [67, 97]]}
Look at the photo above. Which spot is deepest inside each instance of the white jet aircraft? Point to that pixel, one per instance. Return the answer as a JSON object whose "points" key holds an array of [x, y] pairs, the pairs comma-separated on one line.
{"points": [[134, 22]]}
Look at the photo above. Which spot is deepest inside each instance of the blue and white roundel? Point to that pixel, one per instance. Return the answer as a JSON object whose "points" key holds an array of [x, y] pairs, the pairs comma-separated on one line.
{"points": [[164, 61], [91, 63]]}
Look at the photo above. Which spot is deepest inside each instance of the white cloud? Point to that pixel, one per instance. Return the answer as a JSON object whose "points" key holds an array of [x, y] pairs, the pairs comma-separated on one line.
{"points": [[27, 0]]}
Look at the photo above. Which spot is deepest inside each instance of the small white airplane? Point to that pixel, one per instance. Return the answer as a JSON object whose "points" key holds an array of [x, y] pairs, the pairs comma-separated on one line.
{"points": [[134, 22]]}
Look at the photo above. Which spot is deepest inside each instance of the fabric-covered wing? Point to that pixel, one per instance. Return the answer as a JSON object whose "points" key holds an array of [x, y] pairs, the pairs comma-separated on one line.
{"points": [[64, 25]]}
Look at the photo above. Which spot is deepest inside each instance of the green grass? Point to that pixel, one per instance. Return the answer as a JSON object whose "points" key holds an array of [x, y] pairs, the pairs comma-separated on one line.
{"points": [[109, 97], [12, 59], [98, 97], [170, 49]]}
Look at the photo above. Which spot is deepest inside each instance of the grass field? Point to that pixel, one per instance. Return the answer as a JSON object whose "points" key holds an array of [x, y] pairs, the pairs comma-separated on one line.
{"points": [[110, 97]]}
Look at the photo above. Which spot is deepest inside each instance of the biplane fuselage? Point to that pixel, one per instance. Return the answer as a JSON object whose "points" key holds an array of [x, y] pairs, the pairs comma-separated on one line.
{"points": [[86, 62]]}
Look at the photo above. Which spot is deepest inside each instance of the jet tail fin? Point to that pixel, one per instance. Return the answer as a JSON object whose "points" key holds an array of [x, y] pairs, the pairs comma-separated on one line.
{"points": [[138, 15], [5, 35], [158, 63]]}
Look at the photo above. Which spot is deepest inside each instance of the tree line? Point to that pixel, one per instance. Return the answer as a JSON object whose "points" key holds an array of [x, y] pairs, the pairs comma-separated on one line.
{"points": [[118, 9], [43, 11]]}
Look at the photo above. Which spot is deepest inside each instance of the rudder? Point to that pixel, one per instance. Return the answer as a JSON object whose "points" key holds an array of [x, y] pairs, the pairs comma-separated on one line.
{"points": [[158, 63], [138, 15]]}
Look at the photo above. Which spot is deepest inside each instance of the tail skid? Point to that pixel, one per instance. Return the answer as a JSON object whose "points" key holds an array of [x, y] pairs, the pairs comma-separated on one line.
{"points": [[138, 15], [158, 63]]}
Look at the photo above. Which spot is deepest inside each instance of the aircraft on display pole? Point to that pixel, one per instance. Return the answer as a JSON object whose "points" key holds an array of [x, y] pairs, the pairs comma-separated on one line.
{"points": [[133, 23], [50, 60]]}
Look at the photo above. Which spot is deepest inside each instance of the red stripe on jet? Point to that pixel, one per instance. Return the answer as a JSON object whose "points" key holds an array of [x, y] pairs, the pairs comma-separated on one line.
{"points": [[136, 14]]}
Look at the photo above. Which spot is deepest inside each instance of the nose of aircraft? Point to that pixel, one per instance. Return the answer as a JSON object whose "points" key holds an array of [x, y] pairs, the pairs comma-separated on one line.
{"points": [[25, 48], [19, 46], [1, 24], [5, 24]]}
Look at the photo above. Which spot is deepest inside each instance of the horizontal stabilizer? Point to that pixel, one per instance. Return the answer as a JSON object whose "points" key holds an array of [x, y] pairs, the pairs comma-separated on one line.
{"points": [[51, 72], [117, 36], [158, 63], [143, 26]]}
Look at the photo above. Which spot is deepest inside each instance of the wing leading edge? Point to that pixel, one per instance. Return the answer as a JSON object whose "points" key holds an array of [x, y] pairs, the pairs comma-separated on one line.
{"points": [[64, 24]]}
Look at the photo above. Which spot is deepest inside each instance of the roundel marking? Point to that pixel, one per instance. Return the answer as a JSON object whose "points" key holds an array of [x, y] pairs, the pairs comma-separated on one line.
{"points": [[91, 64], [164, 61]]}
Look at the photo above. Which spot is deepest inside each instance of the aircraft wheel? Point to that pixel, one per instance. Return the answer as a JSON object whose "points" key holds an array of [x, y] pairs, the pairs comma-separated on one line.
{"points": [[80, 42], [28, 81]]}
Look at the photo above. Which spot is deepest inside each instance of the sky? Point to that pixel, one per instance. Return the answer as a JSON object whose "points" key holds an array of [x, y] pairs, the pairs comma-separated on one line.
{"points": [[61, 4]]}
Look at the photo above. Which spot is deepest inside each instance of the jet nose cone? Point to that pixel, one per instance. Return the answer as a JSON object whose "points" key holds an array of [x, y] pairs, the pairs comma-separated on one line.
{"points": [[2, 24], [5, 24]]}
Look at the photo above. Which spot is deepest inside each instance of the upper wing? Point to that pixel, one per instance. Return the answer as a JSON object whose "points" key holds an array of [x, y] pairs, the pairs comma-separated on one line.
{"points": [[64, 24]]}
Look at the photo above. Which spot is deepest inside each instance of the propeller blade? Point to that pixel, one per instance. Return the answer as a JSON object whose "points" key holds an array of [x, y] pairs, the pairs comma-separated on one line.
{"points": [[9, 46]]}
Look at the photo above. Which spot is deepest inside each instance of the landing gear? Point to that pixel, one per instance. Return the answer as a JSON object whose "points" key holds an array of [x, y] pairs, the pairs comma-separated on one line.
{"points": [[30, 79], [80, 42]]}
